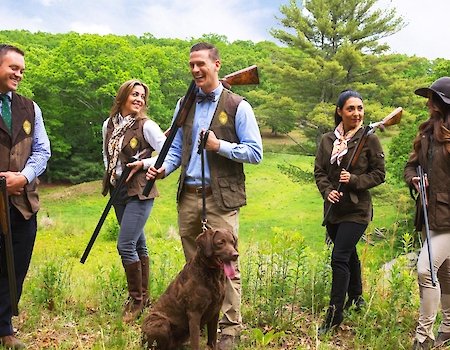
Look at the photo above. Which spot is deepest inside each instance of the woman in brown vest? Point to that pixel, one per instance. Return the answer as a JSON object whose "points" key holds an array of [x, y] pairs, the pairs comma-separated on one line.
{"points": [[129, 138]]}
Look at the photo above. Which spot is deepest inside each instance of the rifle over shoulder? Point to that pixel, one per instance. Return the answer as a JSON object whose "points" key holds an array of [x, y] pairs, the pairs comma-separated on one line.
{"points": [[246, 76]]}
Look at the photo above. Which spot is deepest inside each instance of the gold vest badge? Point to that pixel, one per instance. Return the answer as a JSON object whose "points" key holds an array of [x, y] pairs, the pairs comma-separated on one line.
{"points": [[133, 142], [27, 127], [223, 118]]}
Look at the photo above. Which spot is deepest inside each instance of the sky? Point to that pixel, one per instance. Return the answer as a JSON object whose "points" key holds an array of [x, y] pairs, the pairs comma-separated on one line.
{"points": [[424, 36]]}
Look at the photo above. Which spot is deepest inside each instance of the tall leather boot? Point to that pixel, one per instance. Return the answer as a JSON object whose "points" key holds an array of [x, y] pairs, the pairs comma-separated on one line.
{"points": [[354, 291], [335, 312], [145, 276], [134, 306]]}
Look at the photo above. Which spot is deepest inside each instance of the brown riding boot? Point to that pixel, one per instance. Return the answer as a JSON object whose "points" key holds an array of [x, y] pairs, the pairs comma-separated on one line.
{"points": [[145, 276], [134, 306]]}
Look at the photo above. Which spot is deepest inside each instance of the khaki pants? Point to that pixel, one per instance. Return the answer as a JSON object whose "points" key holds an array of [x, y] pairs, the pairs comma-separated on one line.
{"points": [[431, 296], [190, 208]]}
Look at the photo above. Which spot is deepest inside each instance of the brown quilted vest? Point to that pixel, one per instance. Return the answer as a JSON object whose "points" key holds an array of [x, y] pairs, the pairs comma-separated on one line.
{"points": [[227, 176], [133, 143], [16, 149]]}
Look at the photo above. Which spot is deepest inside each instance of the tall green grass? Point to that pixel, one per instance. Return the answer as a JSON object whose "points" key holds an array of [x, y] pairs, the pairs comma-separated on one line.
{"points": [[284, 261]]}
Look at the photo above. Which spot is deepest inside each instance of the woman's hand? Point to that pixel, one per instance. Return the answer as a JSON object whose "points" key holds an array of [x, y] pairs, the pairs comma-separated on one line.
{"points": [[345, 176], [135, 166], [334, 196], [415, 181]]}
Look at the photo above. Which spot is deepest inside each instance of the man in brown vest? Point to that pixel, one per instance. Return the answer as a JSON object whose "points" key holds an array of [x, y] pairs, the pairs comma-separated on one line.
{"points": [[24, 152], [234, 139]]}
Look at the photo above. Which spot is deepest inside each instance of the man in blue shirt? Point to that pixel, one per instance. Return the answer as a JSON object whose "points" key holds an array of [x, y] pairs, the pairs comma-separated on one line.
{"points": [[24, 152], [234, 138]]}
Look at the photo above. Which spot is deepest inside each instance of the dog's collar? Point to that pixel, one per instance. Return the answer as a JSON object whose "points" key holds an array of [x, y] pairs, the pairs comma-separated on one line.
{"points": [[211, 266]]}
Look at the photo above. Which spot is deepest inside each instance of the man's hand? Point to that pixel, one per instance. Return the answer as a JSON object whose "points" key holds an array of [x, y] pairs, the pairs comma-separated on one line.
{"points": [[153, 173], [15, 182], [212, 142]]}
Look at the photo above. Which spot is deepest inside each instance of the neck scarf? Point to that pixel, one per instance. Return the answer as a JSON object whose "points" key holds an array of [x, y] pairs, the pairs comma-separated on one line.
{"points": [[115, 142], [340, 148]]}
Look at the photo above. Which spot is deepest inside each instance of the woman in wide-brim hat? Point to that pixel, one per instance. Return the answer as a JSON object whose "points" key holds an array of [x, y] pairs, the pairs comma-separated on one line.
{"points": [[431, 151]]}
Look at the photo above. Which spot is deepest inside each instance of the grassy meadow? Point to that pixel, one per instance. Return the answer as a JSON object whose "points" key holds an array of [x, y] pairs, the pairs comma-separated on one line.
{"points": [[286, 275]]}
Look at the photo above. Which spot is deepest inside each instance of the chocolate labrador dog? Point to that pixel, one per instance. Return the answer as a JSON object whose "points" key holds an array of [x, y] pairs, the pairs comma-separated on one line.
{"points": [[195, 296]]}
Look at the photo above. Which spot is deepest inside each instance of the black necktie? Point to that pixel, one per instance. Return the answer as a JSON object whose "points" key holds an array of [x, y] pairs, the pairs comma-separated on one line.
{"points": [[208, 97]]}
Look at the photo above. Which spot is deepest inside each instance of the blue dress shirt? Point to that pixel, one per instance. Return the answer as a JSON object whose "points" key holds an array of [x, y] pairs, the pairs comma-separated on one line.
{"points": [[248, 150]]}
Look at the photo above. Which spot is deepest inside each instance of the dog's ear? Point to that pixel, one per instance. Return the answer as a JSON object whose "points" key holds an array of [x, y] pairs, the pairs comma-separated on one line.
{"points": [[205, 242]]}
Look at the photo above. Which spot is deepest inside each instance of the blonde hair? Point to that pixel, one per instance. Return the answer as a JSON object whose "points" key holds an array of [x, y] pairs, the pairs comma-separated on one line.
{"points": [[122, 96]]}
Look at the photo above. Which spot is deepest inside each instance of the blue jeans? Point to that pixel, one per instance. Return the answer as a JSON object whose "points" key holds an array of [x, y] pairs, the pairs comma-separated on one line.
{"points": [[23, 238], [132, 214]]}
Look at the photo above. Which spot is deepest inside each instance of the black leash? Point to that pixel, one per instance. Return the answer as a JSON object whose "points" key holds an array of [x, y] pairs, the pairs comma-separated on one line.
{"points": [[201, 151]]}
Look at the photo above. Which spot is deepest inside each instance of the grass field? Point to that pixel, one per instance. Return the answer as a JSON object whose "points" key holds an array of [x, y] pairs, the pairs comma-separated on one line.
{"points": [[286, 277]]}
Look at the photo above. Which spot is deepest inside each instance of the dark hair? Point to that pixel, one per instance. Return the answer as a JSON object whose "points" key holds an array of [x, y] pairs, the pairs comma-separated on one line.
{"points": [[438, 125], [343, 97], [213, 52], [5, 48]]}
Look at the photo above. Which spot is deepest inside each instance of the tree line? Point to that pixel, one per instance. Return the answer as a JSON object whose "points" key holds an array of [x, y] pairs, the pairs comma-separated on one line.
{"points": [[328, 46]]}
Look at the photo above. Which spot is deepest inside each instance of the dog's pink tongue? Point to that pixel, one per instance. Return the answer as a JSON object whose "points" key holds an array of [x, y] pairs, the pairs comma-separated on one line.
{"points": [[229, 270]]}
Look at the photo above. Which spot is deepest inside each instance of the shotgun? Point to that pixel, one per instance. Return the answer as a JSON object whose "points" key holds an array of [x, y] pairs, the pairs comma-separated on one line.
{"points": [[393, 118], [423, 200], [246, 76], [5, 221], [125, 172]]}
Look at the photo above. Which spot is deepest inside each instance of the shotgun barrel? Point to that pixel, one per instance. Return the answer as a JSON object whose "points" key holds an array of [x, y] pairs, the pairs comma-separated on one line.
{"points": [[423, 200], [5, 221], [125, 172]]}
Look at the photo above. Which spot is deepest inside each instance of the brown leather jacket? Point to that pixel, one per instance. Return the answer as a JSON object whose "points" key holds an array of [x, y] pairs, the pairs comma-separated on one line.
{"points": [[368, 172]]}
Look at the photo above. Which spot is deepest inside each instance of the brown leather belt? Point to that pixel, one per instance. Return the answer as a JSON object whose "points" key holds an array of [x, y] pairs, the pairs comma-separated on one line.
{"points": [[197, 190]]}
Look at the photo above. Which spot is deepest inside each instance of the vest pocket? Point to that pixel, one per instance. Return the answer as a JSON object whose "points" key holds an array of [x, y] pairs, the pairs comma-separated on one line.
{"points": [[232, 190], [442, 209]]}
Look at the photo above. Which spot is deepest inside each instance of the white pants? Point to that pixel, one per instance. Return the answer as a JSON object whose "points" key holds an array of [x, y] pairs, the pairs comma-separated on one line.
{"points": [[430, 295]]}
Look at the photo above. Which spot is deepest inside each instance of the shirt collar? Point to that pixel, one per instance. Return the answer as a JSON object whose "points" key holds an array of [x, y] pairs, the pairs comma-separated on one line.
{"points": [[217, 91], [9, 94]]}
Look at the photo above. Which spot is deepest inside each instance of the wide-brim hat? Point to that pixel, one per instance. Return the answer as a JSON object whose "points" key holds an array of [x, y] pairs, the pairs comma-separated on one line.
{"points": [[441, 87]]}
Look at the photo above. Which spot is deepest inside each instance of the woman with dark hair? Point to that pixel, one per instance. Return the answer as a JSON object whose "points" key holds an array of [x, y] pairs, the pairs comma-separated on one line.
{"points": [[129, 134], [431, 151], [352, 205]]}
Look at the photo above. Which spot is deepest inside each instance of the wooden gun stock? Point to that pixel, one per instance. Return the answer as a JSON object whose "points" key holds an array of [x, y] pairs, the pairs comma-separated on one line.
{"points": [[246, 76]]}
